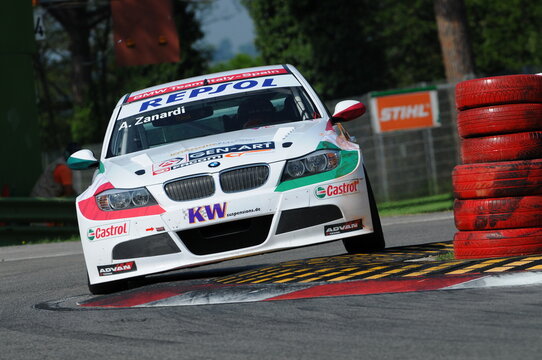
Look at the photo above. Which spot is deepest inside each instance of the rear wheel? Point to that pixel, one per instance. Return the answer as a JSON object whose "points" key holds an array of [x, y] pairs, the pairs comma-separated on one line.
{"points": [[367, 242]]}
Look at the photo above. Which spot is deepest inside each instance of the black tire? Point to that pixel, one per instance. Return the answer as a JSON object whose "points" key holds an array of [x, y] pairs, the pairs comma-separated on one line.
{"points": [[367, 242]]}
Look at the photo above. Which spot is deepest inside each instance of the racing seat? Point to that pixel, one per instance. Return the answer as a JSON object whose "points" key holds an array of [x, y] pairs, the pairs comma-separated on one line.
{"points": [[255, 111], [289, 113]]}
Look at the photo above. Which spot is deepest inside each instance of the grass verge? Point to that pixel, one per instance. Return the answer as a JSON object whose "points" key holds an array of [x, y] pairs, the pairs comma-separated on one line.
{"points": [[434, 203]]}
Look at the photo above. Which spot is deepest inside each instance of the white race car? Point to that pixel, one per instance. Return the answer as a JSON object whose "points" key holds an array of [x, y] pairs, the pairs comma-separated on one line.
{"points": [[221, 166]]}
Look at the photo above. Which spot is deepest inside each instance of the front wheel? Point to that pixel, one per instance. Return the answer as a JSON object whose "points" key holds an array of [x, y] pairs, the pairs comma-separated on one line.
{"points": [[367, 242]]}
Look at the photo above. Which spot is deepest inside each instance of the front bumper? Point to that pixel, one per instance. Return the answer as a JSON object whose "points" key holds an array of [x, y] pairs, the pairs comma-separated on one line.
{"points": [[222, 227]]}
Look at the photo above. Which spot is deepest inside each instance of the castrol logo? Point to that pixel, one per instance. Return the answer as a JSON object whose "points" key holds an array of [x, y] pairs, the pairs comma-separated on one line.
{"points": [[108, 231], [337, 189]]}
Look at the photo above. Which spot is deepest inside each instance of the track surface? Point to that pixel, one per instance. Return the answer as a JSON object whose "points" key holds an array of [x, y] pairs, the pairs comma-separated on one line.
{"points": [[496, 323]]}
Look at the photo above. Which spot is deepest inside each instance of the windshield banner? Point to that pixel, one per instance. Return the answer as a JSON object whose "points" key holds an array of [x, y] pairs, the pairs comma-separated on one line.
{"points": [[207, 92]]}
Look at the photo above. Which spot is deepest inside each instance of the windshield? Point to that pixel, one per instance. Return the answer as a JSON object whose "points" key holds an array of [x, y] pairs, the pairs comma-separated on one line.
{"points": [[209, 117]]}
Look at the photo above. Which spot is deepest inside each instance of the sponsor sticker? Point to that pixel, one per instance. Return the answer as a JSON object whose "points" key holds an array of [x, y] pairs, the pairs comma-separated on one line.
{"points": [[114, 269], [242, 212], [108, 231], [207, 212], [340, 228], [178, 98], [157, 229], [337, 189], [209, 81], [211, 154], [413, 110]]}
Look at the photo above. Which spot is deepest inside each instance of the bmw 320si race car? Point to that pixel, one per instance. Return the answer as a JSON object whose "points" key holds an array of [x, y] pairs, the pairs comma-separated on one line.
{"points": [[216, 167]]}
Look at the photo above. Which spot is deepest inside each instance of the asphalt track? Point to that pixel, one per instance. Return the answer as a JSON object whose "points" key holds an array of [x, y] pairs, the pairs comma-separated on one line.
{"points": [[42, 289]]}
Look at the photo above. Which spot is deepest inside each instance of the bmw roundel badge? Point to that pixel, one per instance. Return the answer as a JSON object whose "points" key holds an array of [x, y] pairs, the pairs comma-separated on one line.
{"points": [[214, 164]]}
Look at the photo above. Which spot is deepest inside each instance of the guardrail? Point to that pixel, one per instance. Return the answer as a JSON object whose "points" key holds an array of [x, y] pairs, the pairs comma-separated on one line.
{"points": [[26, 220]]}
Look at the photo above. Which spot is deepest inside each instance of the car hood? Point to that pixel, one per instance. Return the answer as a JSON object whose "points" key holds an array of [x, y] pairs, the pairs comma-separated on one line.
{"points": [[215, 153]]}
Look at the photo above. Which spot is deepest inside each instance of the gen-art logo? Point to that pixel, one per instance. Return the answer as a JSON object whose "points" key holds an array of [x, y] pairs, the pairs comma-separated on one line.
{"points": [[337, 189], [114, 269], [108, 231]]}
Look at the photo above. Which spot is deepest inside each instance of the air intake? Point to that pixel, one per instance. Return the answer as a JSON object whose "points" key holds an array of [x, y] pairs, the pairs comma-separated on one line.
{"points": [[190, 188], [244, 178]]}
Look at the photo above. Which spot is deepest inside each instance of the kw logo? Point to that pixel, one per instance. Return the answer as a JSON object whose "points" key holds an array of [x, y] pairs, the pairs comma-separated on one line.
{"points": [[207, 212]]}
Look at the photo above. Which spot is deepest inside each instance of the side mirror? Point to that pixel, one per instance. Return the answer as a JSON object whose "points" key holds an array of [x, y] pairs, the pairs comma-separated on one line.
{"points": [[347, 110], [82, 160]]}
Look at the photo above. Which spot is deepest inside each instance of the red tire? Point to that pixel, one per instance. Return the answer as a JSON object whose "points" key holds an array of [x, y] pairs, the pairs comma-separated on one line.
{"points": [[518, 146], [498, 179], [498, 213], [510, 89], [497, 243], [499, 119]]}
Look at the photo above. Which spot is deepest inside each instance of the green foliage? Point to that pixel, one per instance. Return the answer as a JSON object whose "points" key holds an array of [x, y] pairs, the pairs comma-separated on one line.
{"points": [[506, 35], [408, 33], [82, 125], [61, 119], [348, 48], [323, 39], [239, 61]]}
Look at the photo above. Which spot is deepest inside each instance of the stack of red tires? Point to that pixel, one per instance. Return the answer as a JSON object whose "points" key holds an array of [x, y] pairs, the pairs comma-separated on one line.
{"points": [[498, 189]]}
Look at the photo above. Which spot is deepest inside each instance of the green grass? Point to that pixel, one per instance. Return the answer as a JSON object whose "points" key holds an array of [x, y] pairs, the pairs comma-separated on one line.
{"points": [[446, 256], [441, 202], [35, 240]]}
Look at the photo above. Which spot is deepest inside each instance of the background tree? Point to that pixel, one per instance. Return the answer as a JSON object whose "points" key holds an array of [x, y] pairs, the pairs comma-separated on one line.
{"points": [[239, 61], [454, 39], [346, 47], [506, 36], [78, 106], [352, 47]]}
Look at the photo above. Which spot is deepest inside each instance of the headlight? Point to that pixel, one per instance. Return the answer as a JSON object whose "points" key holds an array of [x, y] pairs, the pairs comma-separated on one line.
{"points": [[117, 199], [313, 163]]}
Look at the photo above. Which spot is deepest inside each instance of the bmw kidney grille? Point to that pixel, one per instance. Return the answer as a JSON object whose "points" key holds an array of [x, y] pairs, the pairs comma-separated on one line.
{"points": [[191, 188], [234, 180], [244, 178]]}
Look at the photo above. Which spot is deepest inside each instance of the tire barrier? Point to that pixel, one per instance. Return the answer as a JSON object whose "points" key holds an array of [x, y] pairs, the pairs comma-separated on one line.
{"points": [[498, 213], [511, 89], [498, 189], [517, 146], [498, 179], [499, 119], [497, 243]]}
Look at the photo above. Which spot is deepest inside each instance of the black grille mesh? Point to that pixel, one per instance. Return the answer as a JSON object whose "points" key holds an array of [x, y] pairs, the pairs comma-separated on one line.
{"points": [[244, 178], [190, 188]]}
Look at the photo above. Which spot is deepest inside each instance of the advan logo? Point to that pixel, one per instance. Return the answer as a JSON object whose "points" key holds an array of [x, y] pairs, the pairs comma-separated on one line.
{"points": [[106, 270], [108, 231], [337, 189], [343, 227]]}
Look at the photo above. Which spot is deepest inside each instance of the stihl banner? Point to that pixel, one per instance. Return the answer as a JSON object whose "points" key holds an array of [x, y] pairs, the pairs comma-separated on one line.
{"points": [[404, 111]]}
